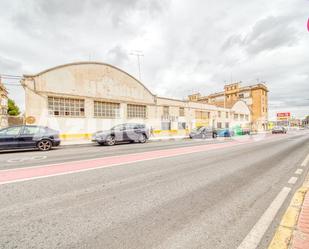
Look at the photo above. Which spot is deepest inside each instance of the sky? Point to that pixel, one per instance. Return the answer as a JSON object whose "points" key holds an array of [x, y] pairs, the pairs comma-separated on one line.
{"points": [[188, 46]]}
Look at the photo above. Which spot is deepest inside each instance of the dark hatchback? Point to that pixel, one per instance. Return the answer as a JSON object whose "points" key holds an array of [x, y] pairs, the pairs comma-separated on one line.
{"points": [[203, 132], [122, 133], [278, 129], [28, 136]]}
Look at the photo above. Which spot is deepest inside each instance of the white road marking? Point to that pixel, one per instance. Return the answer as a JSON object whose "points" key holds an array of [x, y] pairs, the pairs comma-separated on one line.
{"points": [[298, 171], [293, 180], [20, 160], [254, 237], [305, 162]]}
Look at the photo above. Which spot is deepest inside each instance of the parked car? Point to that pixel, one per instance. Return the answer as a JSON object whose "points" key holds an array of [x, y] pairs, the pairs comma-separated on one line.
{"points": [[122, 133], [225, 133], [203, 132], [28, 136], [246, 131], [278, 129]]}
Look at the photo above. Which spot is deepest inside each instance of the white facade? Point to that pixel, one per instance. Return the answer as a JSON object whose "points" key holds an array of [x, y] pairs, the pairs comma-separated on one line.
{"points": [[81, 98]]}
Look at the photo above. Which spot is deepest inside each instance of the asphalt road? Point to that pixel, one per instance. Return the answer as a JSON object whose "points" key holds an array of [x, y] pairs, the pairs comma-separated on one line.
{"points": [[210, 199]]}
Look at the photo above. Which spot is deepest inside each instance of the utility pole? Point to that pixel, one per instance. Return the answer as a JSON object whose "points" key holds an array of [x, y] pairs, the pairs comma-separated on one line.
{"points": [[138, 55], [224, 95]]}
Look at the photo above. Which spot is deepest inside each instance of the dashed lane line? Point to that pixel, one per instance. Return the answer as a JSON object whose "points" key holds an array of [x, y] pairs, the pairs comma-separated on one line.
{"points": [[305, 162], [293, 180], [299, 171]]}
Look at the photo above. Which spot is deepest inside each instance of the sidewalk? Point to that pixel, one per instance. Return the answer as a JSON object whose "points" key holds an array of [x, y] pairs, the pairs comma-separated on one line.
{"points": [[87, 141], [300, 239], [293, 230], [71, 142]]}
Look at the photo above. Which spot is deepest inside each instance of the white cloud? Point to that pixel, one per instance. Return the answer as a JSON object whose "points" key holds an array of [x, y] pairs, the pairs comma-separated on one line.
{"points": [[188, 45]]}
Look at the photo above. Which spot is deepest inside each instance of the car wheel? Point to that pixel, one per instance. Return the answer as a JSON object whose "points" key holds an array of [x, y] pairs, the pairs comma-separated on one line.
{"points": [[110, 140], [214, 135], [44, 145], [142, 138]]}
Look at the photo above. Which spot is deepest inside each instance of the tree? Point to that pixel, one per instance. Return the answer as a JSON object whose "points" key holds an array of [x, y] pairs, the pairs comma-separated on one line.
{"points": [[13, 109]]}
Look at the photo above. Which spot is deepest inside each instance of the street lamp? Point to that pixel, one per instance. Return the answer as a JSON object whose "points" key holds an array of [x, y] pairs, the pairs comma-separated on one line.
{"points": [[138, 55]]}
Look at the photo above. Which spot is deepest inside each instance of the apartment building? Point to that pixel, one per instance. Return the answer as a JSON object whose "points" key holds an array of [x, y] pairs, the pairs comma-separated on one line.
{"points": [[254, 96], [3, 106]]}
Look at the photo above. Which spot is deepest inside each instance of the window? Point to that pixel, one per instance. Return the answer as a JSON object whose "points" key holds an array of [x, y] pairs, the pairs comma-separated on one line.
{"points": [[165, 111], [201, 115], [227, 125], [227, 115], [242, 117], [120, 127], [247, 117], [219, 125], [12, 131], [165, 126], [241, 95], [219, 114], [106, 109], [181, 125], [181, 111], [31, 130], [136, 111], [58, 106], [235, 116], [3, 111]]}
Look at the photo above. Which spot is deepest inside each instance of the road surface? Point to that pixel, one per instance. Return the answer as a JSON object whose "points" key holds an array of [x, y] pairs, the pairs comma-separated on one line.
{"points": [[172, 194]]}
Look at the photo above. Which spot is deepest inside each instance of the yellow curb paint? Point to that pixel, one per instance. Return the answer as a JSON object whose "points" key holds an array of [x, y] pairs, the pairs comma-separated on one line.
{"points": [[290, 217], [65, 136], [284, 232], [281, 238], [76, 136], [298, 197]]}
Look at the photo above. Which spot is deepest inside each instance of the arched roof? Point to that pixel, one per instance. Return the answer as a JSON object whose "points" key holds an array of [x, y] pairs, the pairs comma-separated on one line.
{"points": [[241, 106], [85, 63]]}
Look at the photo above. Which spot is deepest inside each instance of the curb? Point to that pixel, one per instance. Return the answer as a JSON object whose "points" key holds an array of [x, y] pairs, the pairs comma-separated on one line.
{"points": [[149, 141], [167, 139], [77, 145], [287, 227]]}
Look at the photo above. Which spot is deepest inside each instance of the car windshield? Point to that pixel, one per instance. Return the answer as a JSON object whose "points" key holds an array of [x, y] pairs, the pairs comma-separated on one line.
{"points": [[118, 127]]}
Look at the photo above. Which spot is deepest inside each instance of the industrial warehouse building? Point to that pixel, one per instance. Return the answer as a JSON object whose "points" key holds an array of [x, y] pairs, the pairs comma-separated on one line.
{"points": [[81, 98]]}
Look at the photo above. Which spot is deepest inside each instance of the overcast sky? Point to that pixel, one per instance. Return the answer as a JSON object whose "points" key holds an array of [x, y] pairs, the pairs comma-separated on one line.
{"points": [[188, 45]]}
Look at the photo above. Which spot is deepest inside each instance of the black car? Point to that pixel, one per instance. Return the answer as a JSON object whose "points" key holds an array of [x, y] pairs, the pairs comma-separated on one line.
{"points": [[28, 136], [278, 129], [122, 133], [203, 132]]}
